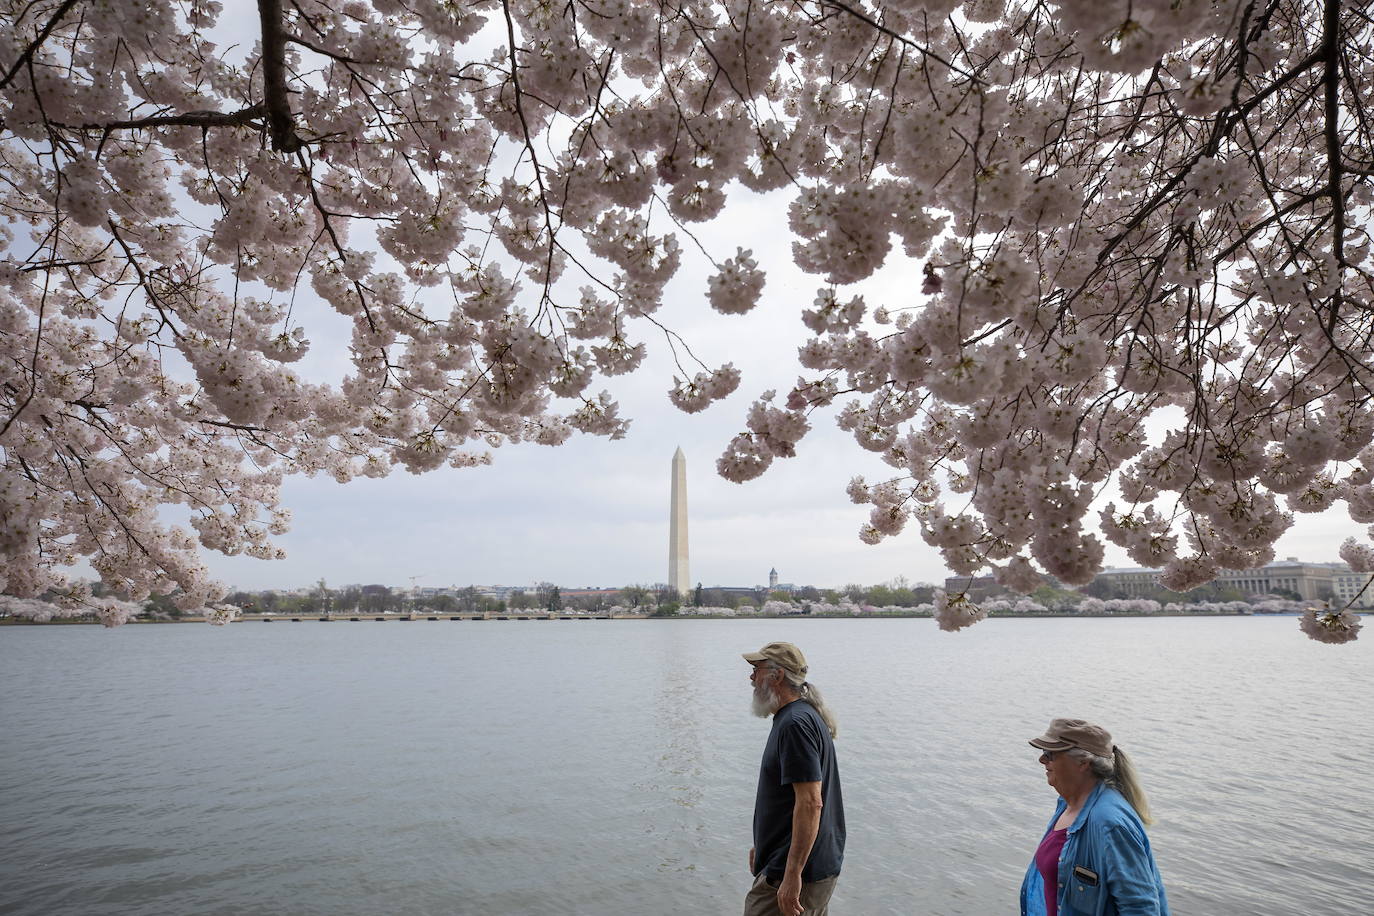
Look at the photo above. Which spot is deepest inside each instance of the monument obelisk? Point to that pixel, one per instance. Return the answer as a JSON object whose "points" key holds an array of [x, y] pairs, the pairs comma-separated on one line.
{"points": [[678, 577]]}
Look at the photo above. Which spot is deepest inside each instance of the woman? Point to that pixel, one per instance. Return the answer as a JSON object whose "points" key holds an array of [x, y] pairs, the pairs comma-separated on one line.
{"points": [[1095, 859]]}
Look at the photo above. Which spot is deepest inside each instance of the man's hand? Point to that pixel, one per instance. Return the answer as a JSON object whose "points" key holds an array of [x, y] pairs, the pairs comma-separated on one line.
{"points": [[789, 895], [751, 860]]}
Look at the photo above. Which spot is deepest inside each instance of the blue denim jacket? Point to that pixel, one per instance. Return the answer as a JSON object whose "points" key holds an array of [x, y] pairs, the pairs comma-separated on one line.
{"points": [[1107, 842]]}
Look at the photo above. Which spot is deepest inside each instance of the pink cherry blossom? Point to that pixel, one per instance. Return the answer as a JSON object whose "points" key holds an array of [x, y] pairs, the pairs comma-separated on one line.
{"points": [[1330, 626]]}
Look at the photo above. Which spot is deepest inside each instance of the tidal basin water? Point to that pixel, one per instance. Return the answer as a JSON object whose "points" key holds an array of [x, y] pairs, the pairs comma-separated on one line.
{"points": [[607, 768]]}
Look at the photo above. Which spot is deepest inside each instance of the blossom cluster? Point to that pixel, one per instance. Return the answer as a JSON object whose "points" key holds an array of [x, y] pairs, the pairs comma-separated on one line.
{"points": [[954, 612], [704, 388], [110, 611], [738, 285], [1329, 626]]}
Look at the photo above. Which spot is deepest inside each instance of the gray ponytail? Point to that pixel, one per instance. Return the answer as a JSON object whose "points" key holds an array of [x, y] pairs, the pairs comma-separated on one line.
{"points": [[1118, 772], [812, 695]]}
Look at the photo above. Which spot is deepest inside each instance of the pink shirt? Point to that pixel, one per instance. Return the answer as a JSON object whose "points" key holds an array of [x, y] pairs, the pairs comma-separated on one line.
{"points": [[1047, 863]]}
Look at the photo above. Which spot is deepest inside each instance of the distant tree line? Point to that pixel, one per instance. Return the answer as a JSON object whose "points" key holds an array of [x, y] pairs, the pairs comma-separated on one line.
{"points": [[662, 600]]}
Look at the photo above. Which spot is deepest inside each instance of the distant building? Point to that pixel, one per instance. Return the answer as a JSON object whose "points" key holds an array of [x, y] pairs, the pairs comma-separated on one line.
{"points": [[589, 592], [775, 586], [1133, 583], [978, 588], [745, 590], [1309, 581], [1347, 583], [501, 592]]}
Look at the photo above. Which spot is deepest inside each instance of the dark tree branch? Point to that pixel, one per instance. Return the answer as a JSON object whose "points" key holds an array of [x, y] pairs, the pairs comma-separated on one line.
{"points": [[279, 120], [247, 116], [1331, 55], [323, 52], [902, 39], [37, 42]]}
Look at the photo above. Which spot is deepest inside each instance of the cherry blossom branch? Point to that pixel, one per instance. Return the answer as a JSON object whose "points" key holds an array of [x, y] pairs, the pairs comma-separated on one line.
{"points": [[27, 54], [529, 146], [203, 119], [915, 46]]}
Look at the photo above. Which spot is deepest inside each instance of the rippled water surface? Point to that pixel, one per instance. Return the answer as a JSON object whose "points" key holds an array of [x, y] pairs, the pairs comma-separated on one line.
{"points": [[607, 767]]}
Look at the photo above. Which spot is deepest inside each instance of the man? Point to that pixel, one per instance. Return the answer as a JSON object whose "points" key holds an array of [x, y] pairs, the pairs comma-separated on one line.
{"points": [[798, 811]]}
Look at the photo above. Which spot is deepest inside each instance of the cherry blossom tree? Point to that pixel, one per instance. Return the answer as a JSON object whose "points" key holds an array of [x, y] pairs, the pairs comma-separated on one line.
{"points": [[1139, 231]]}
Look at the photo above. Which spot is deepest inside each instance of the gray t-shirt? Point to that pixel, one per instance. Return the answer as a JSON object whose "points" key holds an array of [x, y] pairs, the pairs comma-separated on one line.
{"points": [[799, 749]]}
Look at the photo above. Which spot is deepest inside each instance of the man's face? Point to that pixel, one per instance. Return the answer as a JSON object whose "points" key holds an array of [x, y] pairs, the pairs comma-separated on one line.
{"points": [[765, 680]]}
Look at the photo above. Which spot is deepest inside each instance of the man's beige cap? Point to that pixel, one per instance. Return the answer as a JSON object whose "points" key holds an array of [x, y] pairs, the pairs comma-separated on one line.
{"points": [[783, 654], [1064, 734]]}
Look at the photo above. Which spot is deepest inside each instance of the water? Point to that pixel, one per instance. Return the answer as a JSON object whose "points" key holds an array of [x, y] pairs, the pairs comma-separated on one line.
{"points": [[607, 767]]}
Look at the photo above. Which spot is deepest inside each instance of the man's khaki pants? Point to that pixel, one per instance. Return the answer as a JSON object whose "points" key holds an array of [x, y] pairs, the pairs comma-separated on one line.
{"points": [[762, 899]]}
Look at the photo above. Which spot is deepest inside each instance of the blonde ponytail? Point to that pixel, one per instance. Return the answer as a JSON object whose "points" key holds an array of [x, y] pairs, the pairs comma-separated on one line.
{"points": [[1118, 772], [1126, 781]]}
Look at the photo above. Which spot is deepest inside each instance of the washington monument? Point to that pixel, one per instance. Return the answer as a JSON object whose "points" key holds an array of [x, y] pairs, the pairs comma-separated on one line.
{"points": [[678, 577]]}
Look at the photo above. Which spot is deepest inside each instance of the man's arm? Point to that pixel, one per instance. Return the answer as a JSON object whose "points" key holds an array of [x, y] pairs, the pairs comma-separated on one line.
{"points": [[806, 823]]}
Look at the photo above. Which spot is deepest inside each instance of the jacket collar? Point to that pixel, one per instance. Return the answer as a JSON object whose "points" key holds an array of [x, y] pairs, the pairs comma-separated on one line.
{"points": [[1082, 819]]}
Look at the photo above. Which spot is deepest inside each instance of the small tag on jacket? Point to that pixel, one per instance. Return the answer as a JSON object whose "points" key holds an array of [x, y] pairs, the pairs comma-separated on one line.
{"points": [[1084, 875]]}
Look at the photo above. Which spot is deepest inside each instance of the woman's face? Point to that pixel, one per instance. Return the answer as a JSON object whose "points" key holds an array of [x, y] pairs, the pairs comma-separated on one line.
{"points": [[1064, 773]]}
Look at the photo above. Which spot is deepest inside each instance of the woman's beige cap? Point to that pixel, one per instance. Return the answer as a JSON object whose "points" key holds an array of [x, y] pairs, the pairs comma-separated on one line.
{"points": [[1064, 734], [783, 654]]}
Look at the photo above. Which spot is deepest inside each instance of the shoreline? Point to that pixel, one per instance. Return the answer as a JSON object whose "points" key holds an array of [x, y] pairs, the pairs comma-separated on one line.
{"points": [[472, 618]]}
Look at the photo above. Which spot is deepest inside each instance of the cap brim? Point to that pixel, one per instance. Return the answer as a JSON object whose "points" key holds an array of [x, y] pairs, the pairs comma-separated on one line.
{"points": [[754, 658], [1049, 744]]}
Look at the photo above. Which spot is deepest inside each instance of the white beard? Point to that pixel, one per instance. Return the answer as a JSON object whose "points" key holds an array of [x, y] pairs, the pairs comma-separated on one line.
{"points": [[765, 701]]}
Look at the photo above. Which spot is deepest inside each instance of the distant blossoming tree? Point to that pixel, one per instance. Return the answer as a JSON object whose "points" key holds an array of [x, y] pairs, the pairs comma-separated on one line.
{"points": [[1139, 228]]}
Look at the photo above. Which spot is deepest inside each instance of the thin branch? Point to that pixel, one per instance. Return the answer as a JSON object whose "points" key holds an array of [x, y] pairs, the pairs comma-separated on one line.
{"points": [[34, 45]]}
